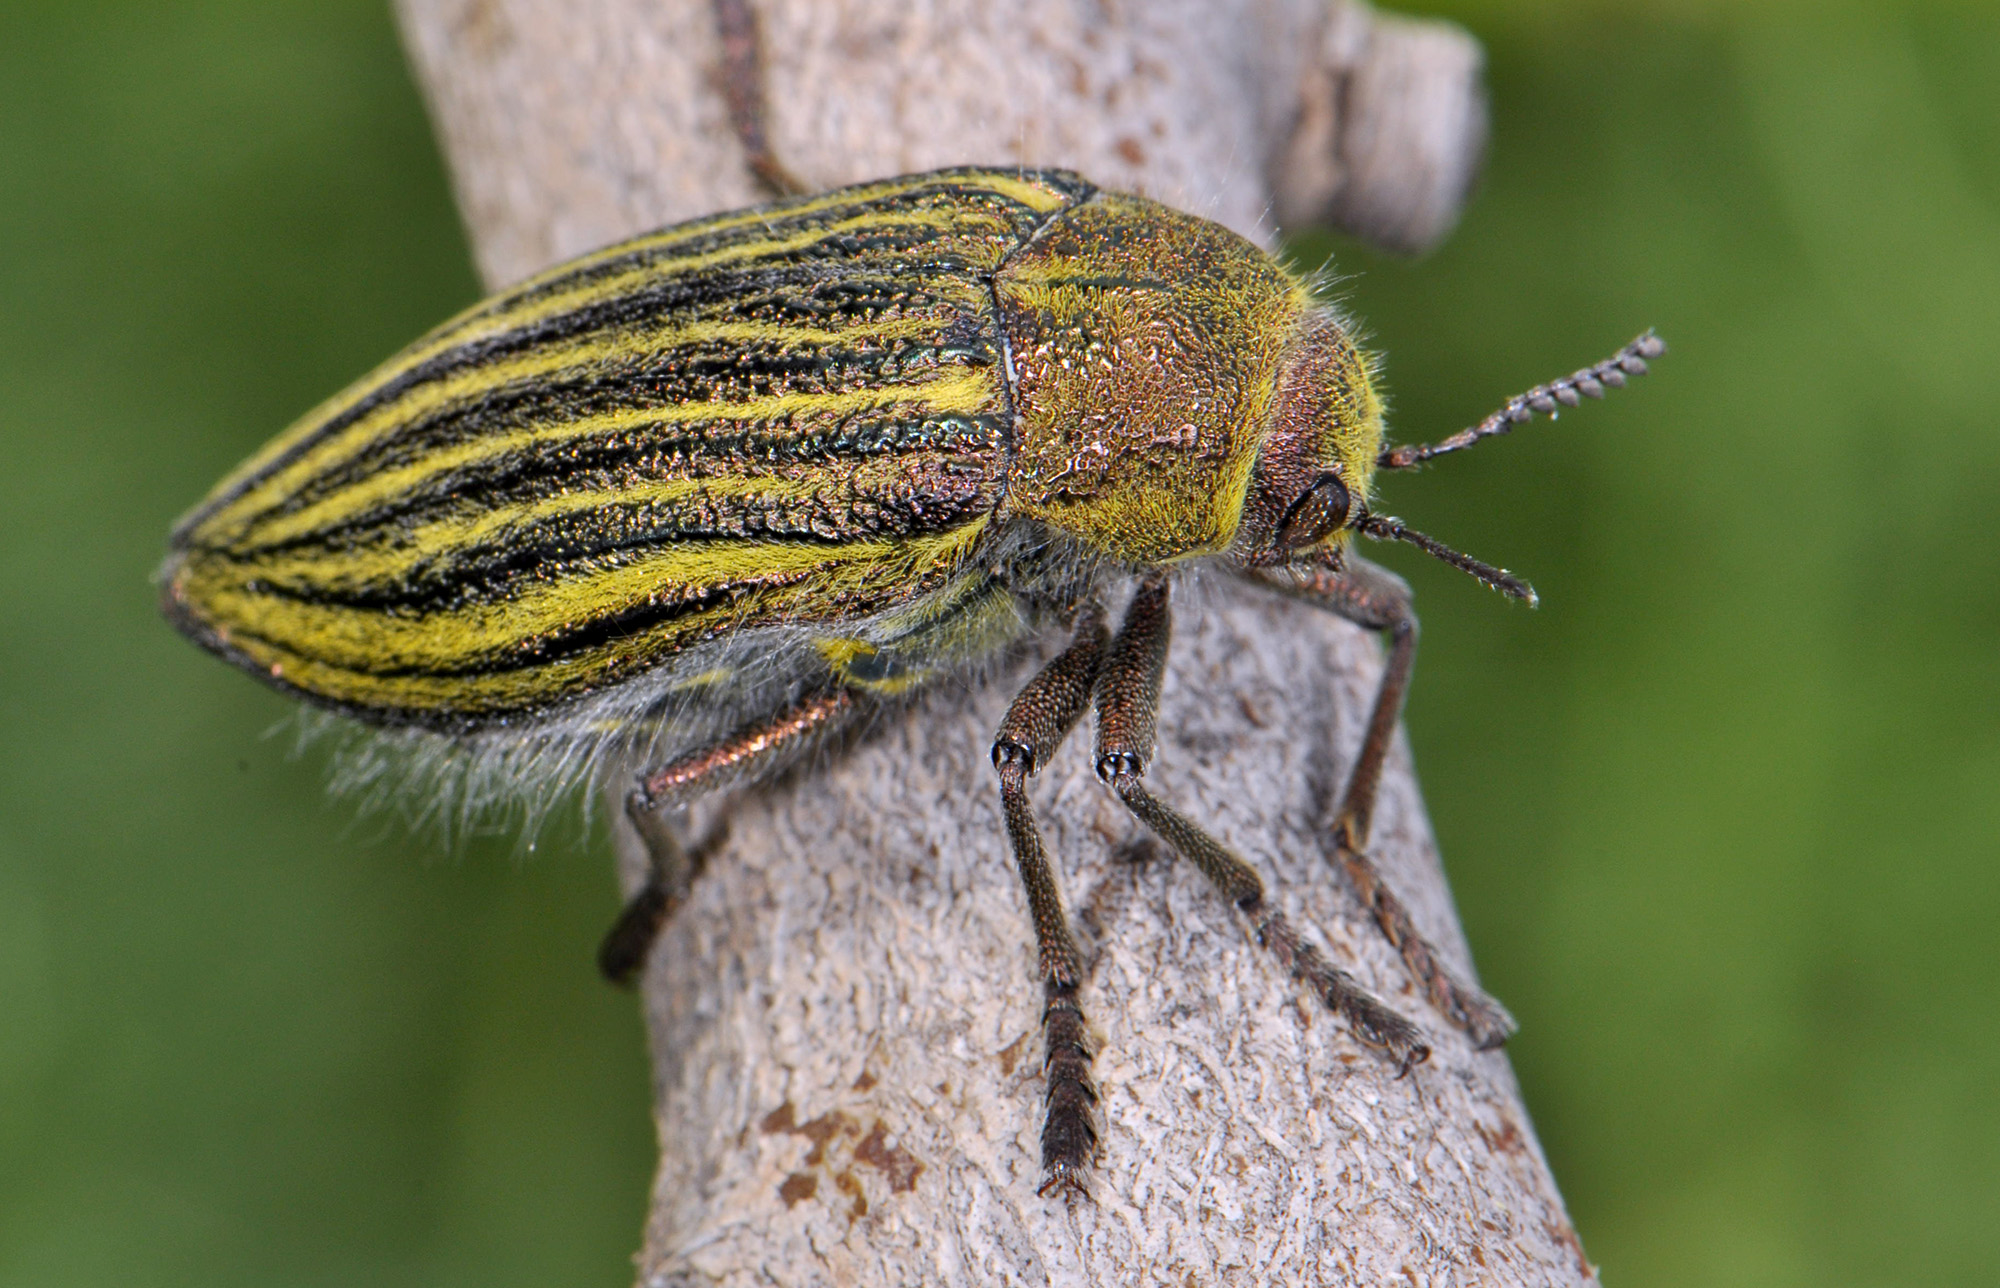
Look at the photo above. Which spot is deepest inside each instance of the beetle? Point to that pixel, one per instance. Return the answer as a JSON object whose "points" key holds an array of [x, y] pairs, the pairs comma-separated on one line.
{"points": [[707, 498]]}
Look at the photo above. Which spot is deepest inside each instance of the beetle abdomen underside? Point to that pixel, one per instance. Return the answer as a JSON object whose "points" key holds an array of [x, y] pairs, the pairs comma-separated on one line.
{"points": [[789, 415]]}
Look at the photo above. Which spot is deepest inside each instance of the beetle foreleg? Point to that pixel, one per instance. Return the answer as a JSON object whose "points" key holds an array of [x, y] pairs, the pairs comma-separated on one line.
{"points": [[1128, 699], [1376, 598], [1040, 718]]}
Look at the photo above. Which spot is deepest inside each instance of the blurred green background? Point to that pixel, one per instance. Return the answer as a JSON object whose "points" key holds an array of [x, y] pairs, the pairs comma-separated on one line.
{"points": [[1722, 816]]}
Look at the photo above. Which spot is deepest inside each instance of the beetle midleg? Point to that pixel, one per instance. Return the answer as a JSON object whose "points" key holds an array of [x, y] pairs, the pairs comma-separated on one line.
{"points": [[1373, 597], [1040, 718], [1128, 700], [670, 869]]}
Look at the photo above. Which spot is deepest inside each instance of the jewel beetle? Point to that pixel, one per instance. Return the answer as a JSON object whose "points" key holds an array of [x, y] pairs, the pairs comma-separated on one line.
{"points": [[708, 497]]}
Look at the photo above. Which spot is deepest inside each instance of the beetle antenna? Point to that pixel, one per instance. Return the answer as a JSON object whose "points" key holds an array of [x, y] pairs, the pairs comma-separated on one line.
{"points": [[1547, 399], [1383, 528]]}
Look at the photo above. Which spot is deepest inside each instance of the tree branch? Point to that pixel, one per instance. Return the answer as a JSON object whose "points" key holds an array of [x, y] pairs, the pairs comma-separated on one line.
{"points": [[845, 1017]]}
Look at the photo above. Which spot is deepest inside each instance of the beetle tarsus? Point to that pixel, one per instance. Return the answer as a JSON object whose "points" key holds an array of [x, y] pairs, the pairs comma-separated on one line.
{"points": [[1069, 1137], [672, 868], [622, 954], [670, 872], [1038, 720], [1484, 1020], [1373, 1024]]}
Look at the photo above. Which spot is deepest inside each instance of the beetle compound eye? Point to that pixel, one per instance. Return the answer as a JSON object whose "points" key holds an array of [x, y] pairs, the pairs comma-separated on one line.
{"points": [[1319, 511]]}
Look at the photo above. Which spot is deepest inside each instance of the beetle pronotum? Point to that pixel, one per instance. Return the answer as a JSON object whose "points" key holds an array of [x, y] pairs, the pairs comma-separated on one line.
{"points": [[711, 495]]}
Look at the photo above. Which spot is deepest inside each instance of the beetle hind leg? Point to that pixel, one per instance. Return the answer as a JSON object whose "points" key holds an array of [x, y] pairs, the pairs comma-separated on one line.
{"points": [[1128, 697], [671, 868]]}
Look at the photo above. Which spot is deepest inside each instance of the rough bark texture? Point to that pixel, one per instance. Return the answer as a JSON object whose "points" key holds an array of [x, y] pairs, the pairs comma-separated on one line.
{"points": [[845, 1018]]}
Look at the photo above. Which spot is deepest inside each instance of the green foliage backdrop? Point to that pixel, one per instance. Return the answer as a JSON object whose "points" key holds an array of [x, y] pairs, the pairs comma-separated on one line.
{"points": [[1722, 815]]}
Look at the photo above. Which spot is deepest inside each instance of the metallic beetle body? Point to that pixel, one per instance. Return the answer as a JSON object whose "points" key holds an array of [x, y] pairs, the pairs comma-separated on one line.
{"points": [[856, 423], [693, 502]]}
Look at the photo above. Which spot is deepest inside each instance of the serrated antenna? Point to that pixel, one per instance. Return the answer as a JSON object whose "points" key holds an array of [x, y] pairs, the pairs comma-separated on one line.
{"points": [[1546, 399], [1383, 528]]}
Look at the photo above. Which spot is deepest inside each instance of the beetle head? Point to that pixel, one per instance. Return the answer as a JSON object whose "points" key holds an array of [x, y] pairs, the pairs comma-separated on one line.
{"points": [[1309, 490], [1310, 486], [1313, 472]]}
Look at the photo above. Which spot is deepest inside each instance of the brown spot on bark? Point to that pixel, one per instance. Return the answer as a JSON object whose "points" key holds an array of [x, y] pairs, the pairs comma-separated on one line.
{"points": [[1128, 147], [1565, 1234], [893, 1161], [483, 30], [1010, 1055], [1507, 1140], [798, 1187], [848, 1185], [819, 1131]]}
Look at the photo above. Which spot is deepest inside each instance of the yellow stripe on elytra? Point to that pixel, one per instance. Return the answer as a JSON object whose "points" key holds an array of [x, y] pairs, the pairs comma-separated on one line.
{"points": [[661, 268], [316, 571], [1023, 191], [810, 580], [505, 314], [708, 227], [441, 694], [1007, 183], [577, 357], [461, 331], [955, 390]]}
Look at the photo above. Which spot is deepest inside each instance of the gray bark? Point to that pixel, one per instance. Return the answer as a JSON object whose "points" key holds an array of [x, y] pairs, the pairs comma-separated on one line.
{"points": [[845, 1019]]}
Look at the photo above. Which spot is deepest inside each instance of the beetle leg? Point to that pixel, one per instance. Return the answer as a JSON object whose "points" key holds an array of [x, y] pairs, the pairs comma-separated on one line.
{"points": [[1128, 698], [743, 95], [670, 869], [1040, 718], [1374, 597]]}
